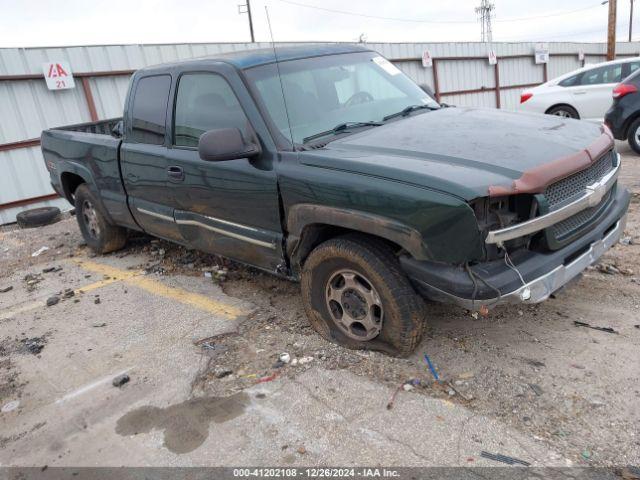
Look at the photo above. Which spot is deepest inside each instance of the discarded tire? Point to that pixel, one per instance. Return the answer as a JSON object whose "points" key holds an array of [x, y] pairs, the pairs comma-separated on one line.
{"points": [[38, 217]]}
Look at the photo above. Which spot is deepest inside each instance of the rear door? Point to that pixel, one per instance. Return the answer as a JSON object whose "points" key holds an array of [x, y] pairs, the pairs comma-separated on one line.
{"points": [[145, 169], [228, 207], [593, 93]]}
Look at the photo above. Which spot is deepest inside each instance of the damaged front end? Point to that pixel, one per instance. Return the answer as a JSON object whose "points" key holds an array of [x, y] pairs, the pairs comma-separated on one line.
{"points": [[535, 242]]}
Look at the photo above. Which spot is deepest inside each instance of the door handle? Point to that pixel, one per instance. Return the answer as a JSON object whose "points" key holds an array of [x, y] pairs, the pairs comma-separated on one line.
{"points": [[580, 92], [175, 172]]}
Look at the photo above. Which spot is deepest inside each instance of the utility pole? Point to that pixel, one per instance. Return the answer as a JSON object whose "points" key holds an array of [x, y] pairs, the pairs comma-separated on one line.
{"points": [[248, 12], [485, 14], [631, 20], [611, 34]]}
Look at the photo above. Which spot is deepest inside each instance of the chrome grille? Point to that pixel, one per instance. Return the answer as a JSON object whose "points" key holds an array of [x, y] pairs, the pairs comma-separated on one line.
{"points": [[574, 185], [571, 224]]}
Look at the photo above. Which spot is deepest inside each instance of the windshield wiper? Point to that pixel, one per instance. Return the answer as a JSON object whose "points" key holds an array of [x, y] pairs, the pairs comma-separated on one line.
{"points": [[407, 110], [341, 127]]}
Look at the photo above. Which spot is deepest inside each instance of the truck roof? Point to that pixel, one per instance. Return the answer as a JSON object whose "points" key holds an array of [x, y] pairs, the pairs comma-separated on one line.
{"points": [[244, 59]]}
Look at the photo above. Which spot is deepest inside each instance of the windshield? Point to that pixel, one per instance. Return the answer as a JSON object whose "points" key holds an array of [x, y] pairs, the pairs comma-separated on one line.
{"points": [[323, 92]]}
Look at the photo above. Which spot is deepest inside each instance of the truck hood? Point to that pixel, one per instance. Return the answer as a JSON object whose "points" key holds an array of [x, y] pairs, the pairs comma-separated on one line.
{"points": [[464, 151]]}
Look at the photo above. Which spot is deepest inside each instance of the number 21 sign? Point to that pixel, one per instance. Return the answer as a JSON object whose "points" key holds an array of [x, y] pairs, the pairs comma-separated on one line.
{"points": [[58, 75]]}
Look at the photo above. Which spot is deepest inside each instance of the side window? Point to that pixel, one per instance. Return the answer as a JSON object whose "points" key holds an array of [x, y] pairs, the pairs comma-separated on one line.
{"points": [[633, 66], [150, 109], [606, 74], [570, 82], [205, 102]]}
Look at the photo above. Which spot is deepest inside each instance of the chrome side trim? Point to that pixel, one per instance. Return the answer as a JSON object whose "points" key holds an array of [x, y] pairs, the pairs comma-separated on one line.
{"points": [[155, 214], [227, 233], [539, 289], [593, 195]]}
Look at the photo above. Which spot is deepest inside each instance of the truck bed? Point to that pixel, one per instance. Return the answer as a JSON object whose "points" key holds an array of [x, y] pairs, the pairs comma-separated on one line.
{"points": [[89, 153]]}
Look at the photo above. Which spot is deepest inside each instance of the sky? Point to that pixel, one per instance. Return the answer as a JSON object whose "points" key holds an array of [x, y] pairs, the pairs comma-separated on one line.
{"points": [[30, 23]]}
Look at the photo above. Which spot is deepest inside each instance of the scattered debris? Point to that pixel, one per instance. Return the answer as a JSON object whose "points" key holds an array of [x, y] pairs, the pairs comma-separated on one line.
{"points": [[284, 357], [586, 454], [431, 367], [33, 345], [496, 457], [52, 269], [9, 406], [40, 251], [51, 301], [222, 372], [533, 362], [628, 240], [602, 329], [302, 450], [120, 380], [268, 378], [6, 289], [32, 279], [97, 301], [536, 388], [99, 325]]}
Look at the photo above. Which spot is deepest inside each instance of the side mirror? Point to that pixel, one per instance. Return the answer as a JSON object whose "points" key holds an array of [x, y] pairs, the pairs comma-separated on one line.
{"points": [[226, 144], [427, 89]]}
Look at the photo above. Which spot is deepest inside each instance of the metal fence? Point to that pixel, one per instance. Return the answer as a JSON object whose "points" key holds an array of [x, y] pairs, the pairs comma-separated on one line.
{"points": [[460, 75]]}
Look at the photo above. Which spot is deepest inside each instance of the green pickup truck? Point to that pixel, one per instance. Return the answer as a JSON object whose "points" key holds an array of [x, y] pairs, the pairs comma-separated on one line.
{"points": [[326, 164]]}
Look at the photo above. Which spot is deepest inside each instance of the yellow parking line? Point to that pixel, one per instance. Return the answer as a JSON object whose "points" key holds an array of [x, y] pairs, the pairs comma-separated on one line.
{"points": [[138, 279]]}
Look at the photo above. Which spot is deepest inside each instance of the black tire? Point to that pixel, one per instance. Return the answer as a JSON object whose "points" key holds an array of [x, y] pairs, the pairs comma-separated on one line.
{"points": [[563, 111], [38, 217], [402, 314], [100, 235], [633, 135]]}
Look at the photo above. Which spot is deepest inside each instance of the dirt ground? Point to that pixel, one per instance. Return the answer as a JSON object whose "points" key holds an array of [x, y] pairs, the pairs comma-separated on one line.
{"points": [[573, 388]]}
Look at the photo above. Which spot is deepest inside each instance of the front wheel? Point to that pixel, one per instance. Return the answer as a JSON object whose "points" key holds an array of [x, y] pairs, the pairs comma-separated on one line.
{"points": [[356, 295], [99, 234], [633, 137]]}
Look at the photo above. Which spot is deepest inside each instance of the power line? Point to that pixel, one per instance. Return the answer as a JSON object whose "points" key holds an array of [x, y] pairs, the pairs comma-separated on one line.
{"points": [[413, 20]]}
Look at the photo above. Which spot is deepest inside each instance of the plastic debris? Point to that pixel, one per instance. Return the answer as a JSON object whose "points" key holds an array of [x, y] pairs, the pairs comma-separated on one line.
{"points": [[120, 380], [496, 457], [431, 367], [267, 378], [602, 329], [284, 357], [10, 406], [40, 251], [586, 454], [6, 289]]}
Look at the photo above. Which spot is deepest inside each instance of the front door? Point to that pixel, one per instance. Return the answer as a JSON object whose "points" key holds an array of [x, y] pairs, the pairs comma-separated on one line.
{"points": [[145, 169], [228, 207]]}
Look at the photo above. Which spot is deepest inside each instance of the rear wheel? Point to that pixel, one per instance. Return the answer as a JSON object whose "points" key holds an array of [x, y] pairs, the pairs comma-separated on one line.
{"points": [[564, 111], [633, 137], [356, 295], [99, 234]]}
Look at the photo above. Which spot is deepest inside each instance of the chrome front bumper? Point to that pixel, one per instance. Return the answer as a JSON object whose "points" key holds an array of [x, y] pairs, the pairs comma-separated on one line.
{"points": [[592, 196], [541, 288]]}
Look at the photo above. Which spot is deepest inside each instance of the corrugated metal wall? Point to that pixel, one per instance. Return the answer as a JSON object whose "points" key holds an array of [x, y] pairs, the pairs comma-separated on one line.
{"points": [[27, 107]]}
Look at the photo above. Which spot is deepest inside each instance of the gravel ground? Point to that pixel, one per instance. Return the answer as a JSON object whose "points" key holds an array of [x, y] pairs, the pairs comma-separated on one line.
{"points": [[573, 387]]}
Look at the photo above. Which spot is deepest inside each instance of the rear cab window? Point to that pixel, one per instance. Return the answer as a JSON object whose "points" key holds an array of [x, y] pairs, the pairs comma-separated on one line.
{"points": [[149, 111]]}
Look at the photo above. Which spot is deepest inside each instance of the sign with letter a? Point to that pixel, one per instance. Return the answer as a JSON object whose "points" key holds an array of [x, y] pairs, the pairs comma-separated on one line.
{"points": [[58, 75]]}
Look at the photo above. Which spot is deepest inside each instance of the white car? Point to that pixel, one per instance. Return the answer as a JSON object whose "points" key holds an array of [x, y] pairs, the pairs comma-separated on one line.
{"points": [[583, 93]]}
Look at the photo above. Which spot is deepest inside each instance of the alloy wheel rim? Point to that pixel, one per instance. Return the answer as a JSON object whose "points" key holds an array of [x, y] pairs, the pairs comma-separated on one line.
{"points": [[354, 305], [90, 217], [562, 113]]}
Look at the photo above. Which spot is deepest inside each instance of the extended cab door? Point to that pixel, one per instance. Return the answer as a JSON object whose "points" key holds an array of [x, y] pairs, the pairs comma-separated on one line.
{"points": [[227, 207], [146, 172], [593, 92]]}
